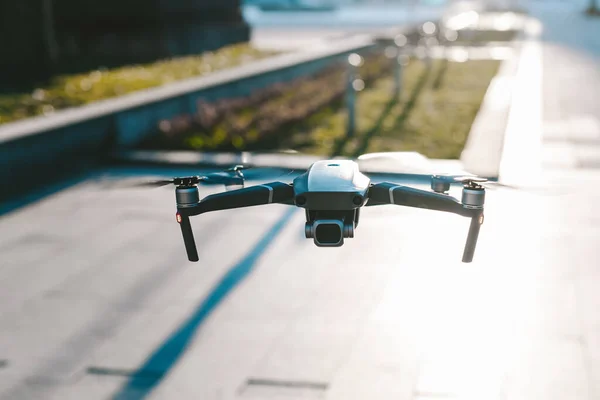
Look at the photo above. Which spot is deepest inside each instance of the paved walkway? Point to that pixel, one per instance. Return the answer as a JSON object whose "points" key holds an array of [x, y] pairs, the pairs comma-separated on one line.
{"points": [[571, 96], [562, 149]]}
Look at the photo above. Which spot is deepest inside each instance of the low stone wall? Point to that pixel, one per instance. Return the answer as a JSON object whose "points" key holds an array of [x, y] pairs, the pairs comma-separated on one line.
{"points": [[36, 149]]}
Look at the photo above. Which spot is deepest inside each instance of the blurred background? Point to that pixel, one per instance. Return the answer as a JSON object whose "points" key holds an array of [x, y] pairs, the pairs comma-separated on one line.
{"points": [[98, 299]]}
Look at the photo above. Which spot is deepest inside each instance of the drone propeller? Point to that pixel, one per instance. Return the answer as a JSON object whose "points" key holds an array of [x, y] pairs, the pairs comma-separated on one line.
{"points": [[459, 178], [217, 178], [252, 172], [231, 178], [159, 183], [441, 184]]}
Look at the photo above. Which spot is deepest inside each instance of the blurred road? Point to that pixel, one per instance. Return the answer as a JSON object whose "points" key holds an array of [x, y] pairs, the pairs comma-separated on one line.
{"points": [[285, 30], [98, 300]]}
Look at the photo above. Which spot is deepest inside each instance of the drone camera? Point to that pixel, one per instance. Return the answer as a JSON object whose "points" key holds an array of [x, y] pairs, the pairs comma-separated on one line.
{"points": [[329, 232]]}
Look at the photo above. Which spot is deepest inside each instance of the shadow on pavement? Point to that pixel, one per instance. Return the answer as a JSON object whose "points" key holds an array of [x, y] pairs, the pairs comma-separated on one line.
{"points": [[400, 121], [439, 78], [375, 128], [37, 193], [158, 364]]}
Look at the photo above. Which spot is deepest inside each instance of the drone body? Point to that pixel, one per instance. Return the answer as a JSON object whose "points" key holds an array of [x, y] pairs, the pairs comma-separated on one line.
{"points": [[331, 185], [332, 193]]}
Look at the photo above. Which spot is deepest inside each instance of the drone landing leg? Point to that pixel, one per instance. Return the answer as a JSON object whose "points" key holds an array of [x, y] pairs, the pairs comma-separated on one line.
{"points": [[188, 237], [389, 193], [476, 222], [189, 205]]}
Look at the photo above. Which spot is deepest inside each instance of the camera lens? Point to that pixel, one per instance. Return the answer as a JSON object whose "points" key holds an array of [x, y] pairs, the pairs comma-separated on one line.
{"points": [[328, 233]]}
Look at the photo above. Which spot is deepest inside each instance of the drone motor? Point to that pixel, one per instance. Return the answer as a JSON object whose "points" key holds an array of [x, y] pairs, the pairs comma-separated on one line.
{"points": [[187, 196]]}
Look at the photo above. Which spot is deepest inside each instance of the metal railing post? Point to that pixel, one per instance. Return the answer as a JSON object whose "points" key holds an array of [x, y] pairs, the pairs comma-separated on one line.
{"points": [[354, 61]]}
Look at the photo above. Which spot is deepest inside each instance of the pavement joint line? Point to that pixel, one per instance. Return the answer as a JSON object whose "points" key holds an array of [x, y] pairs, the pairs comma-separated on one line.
{"points": [[287, 384], [122, 372], [433, 395]]}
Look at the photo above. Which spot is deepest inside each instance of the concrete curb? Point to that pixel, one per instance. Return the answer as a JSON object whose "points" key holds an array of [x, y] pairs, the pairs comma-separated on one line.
{"points": [[521, 153], [32, 151], [510, 115], [483, 151]]}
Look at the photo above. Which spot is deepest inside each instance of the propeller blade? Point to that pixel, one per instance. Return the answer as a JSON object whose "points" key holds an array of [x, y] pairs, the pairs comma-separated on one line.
{"points": [[233, 178], [458, 178], [465, 179], [493, 185], [221, 178], [259, 173], [158, 183], [136, 183], [537, 190]]}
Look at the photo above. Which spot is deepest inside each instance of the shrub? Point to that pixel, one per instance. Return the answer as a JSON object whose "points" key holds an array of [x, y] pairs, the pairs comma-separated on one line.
{"points": [[74, 90], [239, 122]]}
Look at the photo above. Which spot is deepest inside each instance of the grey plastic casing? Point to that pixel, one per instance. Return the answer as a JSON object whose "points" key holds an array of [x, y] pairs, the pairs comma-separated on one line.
{"points": [[331, 185]]}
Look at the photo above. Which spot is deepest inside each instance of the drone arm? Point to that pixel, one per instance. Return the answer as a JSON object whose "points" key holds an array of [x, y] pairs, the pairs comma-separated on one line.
{"points": [[274, 192], [389, 193]]}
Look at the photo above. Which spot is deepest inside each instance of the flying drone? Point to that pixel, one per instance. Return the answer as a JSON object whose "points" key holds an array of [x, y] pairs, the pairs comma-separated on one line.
{"points": [[331, 192]]}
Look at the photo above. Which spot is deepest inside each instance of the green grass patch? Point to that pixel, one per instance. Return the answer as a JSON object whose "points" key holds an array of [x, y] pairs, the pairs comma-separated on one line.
{"points": [[433, 115], [74, 90], [259, 119]]}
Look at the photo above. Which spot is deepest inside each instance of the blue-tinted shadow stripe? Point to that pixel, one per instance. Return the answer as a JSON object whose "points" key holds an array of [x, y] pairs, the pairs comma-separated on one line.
{"points": [[167, 355], [15, 202]]}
